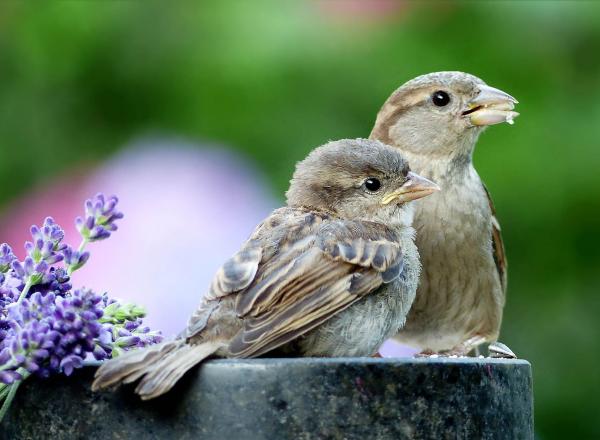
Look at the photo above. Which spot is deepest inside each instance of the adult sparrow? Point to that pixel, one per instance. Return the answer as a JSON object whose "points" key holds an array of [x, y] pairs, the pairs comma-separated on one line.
{"points": [[331, 274], [435, 121]]}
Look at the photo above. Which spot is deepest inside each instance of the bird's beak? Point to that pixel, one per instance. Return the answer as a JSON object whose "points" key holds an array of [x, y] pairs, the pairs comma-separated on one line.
{"points": [[491, 106], [414, 188]]}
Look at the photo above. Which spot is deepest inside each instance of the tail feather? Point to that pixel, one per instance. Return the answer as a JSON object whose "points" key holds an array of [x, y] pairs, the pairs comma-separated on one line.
{"points": [[168, 370], [160, 366], [133, 362]]}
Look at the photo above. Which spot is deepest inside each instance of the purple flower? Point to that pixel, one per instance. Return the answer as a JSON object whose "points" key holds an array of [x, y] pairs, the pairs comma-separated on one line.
{"points": [[146, 337], [46, 244], [6, 257], [45, 327], [45, 249], [100, 217], [127, 341], [10, 289], [9, 376], [56, 281], [29, 270], [68, 363], [75, 259], [47, 333], [50, 231]]}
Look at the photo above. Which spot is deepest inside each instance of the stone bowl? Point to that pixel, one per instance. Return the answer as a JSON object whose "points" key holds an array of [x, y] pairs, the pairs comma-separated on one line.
{"points": [[280, 399]]}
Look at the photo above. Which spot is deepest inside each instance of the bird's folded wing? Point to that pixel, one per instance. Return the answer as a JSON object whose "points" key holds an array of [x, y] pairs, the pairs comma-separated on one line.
{"points": [[239, 271], [308, 283], [498, 245], [236, 274]]}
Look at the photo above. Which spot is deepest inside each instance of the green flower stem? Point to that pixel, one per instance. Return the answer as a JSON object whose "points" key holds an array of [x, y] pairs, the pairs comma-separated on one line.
{"points": [[80, 249], [83, 244], [8, 392], [25, 291], [9, 398], [4, 391], [5, 367]]}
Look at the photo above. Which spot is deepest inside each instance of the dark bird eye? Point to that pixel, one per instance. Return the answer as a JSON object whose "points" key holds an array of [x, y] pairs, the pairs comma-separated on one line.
{"points": [[440, 98], [372, 184]]}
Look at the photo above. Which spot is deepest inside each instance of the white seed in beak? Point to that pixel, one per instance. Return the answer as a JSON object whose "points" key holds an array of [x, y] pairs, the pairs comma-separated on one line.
{"points": [[491, 116]]}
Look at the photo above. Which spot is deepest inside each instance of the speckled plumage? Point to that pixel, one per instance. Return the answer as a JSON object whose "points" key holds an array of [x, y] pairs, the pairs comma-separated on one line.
{"points": [[332, 274], [462, 287]]}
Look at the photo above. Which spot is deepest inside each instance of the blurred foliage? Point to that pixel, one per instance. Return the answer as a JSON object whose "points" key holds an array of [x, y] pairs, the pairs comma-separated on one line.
{"points": [[274, 79]]}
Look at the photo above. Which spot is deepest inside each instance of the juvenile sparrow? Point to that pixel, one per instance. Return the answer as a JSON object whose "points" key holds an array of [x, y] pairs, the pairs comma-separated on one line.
{"points": [[331, 274], [435, 121]]}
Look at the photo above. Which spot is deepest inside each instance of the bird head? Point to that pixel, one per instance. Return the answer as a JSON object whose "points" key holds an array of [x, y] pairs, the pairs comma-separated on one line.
{"points": [[441, 114], [358, 179]]}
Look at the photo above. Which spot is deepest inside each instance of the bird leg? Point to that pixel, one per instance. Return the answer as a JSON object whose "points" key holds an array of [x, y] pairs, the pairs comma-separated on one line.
{"points": [[465, 347], [425, 353]]}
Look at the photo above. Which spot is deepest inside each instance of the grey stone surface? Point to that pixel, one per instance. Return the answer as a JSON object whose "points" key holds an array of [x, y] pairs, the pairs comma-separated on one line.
{"points": [[291, 399]]}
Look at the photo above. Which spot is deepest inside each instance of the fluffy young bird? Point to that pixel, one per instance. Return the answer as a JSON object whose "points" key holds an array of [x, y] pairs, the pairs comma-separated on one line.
{"points": [[331, 274], [435, 120]]}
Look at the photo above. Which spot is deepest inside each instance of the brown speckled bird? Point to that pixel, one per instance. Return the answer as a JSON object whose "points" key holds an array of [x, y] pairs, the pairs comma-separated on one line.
{"points": [[332, 274], [435, 121]]}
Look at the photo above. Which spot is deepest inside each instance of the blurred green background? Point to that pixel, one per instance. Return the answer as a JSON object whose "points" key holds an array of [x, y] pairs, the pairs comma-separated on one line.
{"points": [[274, 79]]}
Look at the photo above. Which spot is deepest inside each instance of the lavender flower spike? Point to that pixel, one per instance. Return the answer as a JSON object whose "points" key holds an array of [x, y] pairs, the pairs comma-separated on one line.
{"points": [[75, 259], [50, 231], [6, 257], [100, 217], [46, 244], [50, 334], [56, 281], [45, 326], [30, 271]]}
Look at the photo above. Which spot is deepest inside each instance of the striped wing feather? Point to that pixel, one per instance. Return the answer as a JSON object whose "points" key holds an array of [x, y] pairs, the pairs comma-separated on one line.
{"points": [[310, 282], [235, 275], [498, 245]]}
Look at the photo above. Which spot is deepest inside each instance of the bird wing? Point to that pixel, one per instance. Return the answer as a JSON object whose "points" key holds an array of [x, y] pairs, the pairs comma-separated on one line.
{"points": [[498, 245], [233, 276], [318, 273]]}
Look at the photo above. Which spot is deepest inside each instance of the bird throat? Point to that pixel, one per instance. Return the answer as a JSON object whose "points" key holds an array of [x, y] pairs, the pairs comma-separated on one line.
{"points": [[453, 228], [445, 167]]}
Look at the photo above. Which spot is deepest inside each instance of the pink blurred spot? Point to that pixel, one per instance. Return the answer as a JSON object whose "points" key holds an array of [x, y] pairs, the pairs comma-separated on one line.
{"points": [[392, 348], [61, 199], [186, 211]]}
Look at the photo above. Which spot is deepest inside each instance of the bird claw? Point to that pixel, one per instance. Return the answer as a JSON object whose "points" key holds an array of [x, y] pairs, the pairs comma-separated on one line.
{"points": [[440, 354], [501, 351], [425, 354], [454, 353], [496, 350]]}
